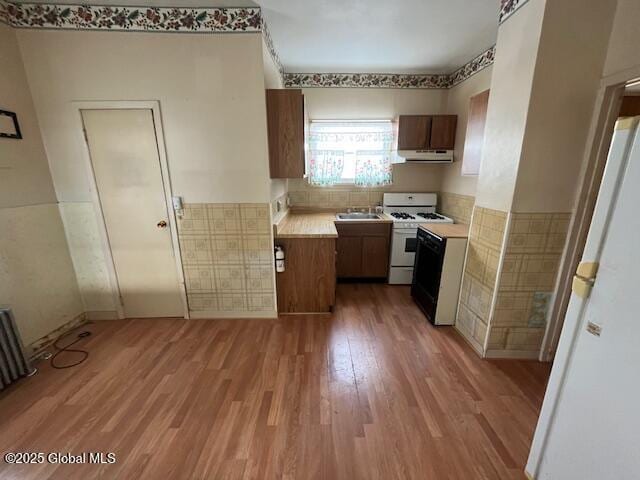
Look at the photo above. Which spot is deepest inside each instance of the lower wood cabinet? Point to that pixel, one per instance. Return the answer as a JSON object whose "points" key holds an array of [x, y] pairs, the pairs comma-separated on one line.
{"points": [[308, 284], [363, 250]]}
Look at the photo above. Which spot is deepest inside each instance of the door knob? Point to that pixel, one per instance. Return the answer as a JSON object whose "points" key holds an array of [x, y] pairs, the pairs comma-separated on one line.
{"points": [[162, 224]]}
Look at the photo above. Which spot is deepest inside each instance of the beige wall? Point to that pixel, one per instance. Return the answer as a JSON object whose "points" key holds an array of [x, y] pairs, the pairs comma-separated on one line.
{"points": [[511, 83], [623, 52], [371, 103], [211, 93], [272, 77], [458, 104], [567, 75], [37, 279], [24, 172]]}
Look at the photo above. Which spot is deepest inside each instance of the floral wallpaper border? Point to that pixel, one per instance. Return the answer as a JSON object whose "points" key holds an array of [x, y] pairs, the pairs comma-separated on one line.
{"points": [[469, 69], [266, 35], [4, 12], [136, 19], [364, 80], [388, 80], [508, 8]]}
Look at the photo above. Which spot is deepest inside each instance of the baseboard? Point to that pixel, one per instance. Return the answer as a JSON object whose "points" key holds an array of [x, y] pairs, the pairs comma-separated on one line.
{"points": [[472, 343], [515, 354], [102, 315], [36, 347], [214, 315]]}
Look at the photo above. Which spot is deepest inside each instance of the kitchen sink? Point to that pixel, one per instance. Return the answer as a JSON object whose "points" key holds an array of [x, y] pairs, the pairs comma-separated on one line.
{"points": [[358, 216]]}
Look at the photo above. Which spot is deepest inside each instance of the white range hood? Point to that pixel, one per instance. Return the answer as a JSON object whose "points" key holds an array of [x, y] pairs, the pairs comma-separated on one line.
{"points": [[425, 156]]}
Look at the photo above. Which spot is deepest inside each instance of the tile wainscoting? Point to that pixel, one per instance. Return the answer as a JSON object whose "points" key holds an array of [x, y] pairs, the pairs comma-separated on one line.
{"points": [[227, 252], [525, 291], [507, 290], [328, 197], [479, 277], [459, 207]]}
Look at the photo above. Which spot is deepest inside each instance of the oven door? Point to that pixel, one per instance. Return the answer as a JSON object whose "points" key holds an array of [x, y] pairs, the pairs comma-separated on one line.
{"points": [[427, 272], [403, 247]]}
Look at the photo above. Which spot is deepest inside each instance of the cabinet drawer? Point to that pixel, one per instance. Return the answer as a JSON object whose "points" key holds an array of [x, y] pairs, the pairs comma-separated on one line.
{"points": [[363, 229]]}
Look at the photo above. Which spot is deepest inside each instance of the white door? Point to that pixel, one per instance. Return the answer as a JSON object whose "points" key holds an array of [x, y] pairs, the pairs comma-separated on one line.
{"points": [[126, 165], [589, 427]]}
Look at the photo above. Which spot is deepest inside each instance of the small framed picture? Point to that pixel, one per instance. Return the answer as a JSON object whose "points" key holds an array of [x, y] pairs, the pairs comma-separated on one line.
{"points": [[9, 127]]}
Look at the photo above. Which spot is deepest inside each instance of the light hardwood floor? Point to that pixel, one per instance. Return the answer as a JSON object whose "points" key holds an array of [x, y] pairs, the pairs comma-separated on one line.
{"points": [[370, 392]]}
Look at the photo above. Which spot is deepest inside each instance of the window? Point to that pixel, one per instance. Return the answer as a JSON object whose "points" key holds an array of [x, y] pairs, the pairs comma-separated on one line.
{"points": [[350, 152]]}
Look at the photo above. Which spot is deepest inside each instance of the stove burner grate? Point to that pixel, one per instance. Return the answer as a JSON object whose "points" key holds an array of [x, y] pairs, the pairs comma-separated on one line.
{"points": [[402, 216], [430, 216]]}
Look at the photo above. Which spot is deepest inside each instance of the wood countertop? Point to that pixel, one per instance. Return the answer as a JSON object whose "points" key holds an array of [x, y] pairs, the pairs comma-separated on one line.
{"points": [[307, 225], [447, 230], [314, 225]]}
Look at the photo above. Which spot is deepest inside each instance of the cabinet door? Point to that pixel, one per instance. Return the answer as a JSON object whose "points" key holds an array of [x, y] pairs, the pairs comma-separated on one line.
{"points": [[285, 127], [308, 283], [414, 132], [349, 261], [474, 136], [443, 132], [375, 256]]}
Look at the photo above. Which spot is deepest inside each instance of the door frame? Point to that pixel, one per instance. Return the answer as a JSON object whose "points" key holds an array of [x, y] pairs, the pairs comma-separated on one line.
{"points": [[608, 102], [154, 107]]}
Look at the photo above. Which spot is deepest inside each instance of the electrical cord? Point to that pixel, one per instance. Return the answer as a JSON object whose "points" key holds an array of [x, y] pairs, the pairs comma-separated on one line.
{"points": [[84, 353]]}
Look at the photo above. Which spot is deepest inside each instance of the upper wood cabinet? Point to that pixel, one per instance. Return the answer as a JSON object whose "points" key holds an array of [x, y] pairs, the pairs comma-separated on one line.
{"points": [[474, 136], [285, 127], [414, 132], [426, 132], [443, 132]]}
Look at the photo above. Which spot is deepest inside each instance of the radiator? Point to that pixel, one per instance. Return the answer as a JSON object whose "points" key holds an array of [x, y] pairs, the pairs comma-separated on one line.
{"points": [[13, 362]]}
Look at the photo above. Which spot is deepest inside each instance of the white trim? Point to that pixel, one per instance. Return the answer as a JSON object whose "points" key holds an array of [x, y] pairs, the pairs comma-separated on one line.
{"points": [[154, 106], [217, 315], [513, 354], [477, 347], [101, 315]]}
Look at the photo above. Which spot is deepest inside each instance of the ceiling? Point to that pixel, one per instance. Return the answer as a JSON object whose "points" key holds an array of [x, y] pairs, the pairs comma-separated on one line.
{"points": [[380, 36], [364, 36]]}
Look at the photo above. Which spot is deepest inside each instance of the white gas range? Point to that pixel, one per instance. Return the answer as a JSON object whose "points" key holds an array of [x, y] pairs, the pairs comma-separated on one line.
{"points": [[408, 210]]}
